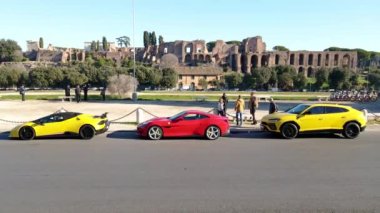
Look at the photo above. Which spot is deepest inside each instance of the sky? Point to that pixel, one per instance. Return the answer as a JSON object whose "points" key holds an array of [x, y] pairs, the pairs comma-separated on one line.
{"points": [[296, 24]]}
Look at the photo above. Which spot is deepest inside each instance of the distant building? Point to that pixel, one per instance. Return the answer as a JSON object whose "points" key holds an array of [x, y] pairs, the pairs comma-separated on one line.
{"points": [[188, 77]]}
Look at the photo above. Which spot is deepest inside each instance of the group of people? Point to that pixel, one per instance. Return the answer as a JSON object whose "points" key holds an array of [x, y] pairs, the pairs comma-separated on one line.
{"points": [[85, 88], [77, 91], [253, 105]]}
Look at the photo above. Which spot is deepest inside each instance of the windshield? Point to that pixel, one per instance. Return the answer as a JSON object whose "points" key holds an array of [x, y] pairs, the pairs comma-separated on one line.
{"points": [[177, 116], [297, 109]]}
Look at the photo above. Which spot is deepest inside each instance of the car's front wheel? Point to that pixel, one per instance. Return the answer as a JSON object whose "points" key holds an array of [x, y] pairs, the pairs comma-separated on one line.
{"points": [[26, 133], [212, 132], [87, 132], [155, 133], [289, 131], [351, 130]]}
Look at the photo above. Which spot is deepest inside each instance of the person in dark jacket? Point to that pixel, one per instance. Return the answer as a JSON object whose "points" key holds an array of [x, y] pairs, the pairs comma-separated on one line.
{"points": [[225, 102], [67, 91], [22, 92], [85, 91], [103, 93], [77, 93], [272, 106]]}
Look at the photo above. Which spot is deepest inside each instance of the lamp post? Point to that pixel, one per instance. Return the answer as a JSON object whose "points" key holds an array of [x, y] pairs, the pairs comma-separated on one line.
{"points": [[134, 94]]}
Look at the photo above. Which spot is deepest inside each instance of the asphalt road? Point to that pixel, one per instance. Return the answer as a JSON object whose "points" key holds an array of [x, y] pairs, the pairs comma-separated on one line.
{"points": [[250, 172]]}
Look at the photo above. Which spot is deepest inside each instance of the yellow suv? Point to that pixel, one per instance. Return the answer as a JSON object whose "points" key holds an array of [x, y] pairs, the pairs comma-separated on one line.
{"points": [[305, 118]]}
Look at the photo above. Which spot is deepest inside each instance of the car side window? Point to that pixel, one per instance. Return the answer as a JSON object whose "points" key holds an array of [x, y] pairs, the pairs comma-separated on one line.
{"points": [[316, 110], [331, 110], [194, 116]]}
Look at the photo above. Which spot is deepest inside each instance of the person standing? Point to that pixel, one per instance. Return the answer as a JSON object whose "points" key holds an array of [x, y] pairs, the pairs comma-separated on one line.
{"points": [[221, 107], [239, 108], [85, 91], [103, 93], [77, 93], [253, 105], [272, 106], [67, 91], [22, 92], [225, 102]]}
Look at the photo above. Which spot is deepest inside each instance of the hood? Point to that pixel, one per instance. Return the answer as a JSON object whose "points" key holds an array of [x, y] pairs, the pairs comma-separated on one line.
{"points": [[278, 115], [160, 119]]}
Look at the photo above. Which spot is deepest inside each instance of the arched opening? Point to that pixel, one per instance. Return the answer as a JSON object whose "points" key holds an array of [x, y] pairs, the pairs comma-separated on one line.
{"points": [[346, 61], [208, 59], [188, 59], [301, 59], [301, 70], [233, 62], [310, 72], [201, 58], [336, 59], [327, 60], [292, 59], [243, 63], [311, 59], [264, 61], [192, 86], [254, 61], [319, 59], [277, 59]]}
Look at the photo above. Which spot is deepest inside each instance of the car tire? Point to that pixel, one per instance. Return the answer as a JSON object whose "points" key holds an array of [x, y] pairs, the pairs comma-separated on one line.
{"points": [[289, 131], [26, 133], [212, 132], [87, 132], [351, 130], [155, 133]]}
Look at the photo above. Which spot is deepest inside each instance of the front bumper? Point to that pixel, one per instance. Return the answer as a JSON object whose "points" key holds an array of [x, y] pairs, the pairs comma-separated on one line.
{"points": [[267, 126]]}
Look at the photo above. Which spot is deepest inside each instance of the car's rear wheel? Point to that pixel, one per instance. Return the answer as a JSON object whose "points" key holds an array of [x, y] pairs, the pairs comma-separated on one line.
{"points": [[289, 131], [87, 132], [155, 133], [26, 133], [212, 132], [351, 130]]}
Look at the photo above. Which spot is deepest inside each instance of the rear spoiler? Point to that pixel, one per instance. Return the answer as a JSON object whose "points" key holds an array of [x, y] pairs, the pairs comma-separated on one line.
{"points": [[104, 115]]}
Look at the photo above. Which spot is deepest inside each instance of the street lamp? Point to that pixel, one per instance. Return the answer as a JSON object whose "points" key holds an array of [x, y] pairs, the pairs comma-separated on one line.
{"points": [[134, 94]]}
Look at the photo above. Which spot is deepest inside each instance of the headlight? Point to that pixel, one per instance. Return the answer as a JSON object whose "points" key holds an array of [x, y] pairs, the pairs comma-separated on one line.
{"points": [[274, 119]]}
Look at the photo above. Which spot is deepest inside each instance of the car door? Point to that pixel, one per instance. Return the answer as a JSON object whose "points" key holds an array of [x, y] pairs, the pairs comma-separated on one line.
{"points": [[185, 125], [49, 125], [313, 119], [336, 117]]}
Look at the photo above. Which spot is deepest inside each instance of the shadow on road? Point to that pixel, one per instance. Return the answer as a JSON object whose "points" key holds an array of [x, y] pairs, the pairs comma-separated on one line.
{"points": [[270, 136], [123, 135]]}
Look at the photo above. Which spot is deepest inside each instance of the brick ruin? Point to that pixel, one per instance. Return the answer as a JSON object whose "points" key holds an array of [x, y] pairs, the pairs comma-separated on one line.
{"points": [[251, 53]]}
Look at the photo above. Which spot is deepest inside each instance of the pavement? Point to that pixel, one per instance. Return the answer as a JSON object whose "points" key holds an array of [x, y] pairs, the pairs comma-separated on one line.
{"points": [[118, 172]]}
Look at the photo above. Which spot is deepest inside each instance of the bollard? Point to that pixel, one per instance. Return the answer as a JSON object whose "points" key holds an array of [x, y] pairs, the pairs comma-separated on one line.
{"points": [[134, 96], [139, 116]]}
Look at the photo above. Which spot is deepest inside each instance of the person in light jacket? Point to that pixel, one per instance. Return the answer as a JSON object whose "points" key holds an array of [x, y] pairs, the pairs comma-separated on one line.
{"points": [[239, 108]]}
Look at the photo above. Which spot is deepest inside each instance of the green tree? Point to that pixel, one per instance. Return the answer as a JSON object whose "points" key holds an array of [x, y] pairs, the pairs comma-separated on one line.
{"points": [[97, 46], [280, 48], [93, 46], [261, 75], [160, 40], [249, 82], [9, 76], [285, 81], [210, 45], [123, 40], [374, 80], [300, 81], [233, 80], [169, 78], [41, 43], [10, 51], [105, 43], [146, 39], [321, 77], [153, 39], [234, 42], [203, 83], [339, 78]]}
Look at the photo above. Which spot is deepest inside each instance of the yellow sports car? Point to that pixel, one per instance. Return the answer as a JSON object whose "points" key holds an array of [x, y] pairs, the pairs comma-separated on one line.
{"points": [[60, 124], [305, 118]]}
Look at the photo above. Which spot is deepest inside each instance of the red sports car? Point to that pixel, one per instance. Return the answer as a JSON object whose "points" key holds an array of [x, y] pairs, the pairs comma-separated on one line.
{"points": [[185, 124]]}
